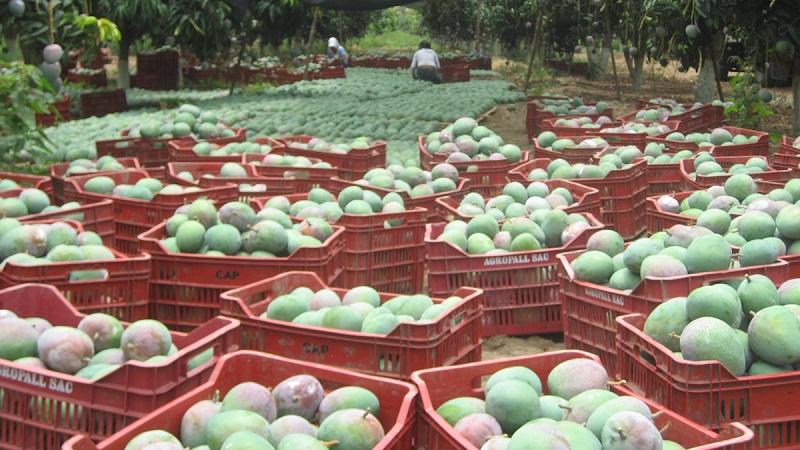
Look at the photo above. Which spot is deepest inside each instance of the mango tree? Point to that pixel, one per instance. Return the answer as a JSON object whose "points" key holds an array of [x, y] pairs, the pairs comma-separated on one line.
{"points": [[636, 26], [706, 29], [39, 23], [39, 31], [135, 19], [202, 27], [770, 30], [451, 21], [279, 20], [511, 22]]}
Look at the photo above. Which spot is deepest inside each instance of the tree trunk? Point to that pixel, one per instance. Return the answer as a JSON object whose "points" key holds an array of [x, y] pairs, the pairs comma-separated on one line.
{"points": [[476, 42], [637, 74], [598, 62], [533, 50], [628, 63], [796, 97], [11, 43], [123, 70], [313, 31], [705, 86]]}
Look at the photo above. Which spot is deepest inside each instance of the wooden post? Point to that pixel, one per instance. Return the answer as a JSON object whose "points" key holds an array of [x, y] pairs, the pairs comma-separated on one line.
{"points": [[613, 61], [716, 68], [534, 45]]}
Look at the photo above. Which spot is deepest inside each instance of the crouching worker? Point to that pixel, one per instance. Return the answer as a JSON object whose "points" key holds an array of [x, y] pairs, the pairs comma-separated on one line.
{"points": [[425, 64], [337, 54]]}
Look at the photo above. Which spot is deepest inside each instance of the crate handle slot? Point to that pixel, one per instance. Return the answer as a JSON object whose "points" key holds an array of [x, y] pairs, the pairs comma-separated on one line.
{"points": [[88, 275], [199, 354], [299, 174], [648, 358]]}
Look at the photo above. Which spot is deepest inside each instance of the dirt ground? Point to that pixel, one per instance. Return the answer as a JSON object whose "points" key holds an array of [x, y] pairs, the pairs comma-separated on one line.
{"points": [[507, 346], [509, 120]]}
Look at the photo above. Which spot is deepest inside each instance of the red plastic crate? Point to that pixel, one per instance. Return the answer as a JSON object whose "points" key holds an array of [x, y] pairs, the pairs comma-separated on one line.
{"points": [[352, 165], [787, 147], [760, 148], [535, 115], [97, 217], [58, 175], [706, 392], [158, 71], [452, 338], [663, 178], [623, 193], [45, 408], [454, 73], [647, 104], [180, 150], [550, 125], [587, 200], [705, 182], [397, 399], [327, 73], [439, 385], [103, 103], [150, 151], [572, 155], [272, 185], [133, 216], [790, 161], [590, 310], [286, 172], [287, 180], [485, 177], [623, 197], [428, 201], [703, 118], [155, 152], [185, 288], [520, 288], [283, 76], [122, 293], [208, 173], [59, 113], [675, 146], [659, 220], [637, 139], [246, 75], [27, 180], [388, 259]]}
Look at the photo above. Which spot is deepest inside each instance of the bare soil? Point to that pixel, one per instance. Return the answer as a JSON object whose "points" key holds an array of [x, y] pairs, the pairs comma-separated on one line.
{"points": [[509, 120], [508, 346]]}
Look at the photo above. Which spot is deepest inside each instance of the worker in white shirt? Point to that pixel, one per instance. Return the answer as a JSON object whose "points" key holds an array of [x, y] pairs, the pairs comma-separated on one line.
{"points": [[425, 64], [336, 53]]}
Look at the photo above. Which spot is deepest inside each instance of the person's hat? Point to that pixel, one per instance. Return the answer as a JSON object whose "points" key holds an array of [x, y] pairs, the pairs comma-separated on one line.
{"points": [[333, 42]]}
